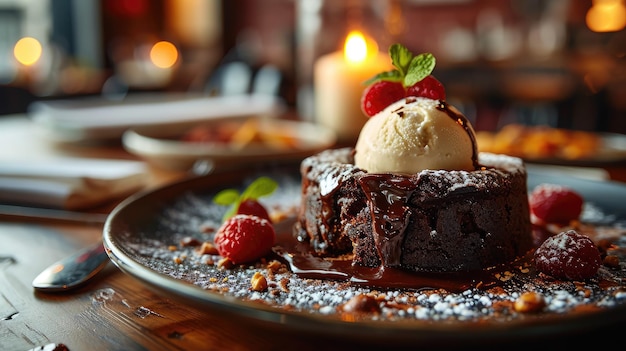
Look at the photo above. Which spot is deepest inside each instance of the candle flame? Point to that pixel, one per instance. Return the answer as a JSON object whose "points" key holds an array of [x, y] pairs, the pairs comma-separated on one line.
{"points": [[357, 48]]}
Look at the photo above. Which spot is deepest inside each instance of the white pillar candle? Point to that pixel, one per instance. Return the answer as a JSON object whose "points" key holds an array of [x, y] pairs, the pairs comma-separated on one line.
{"points": [[339, 80]]}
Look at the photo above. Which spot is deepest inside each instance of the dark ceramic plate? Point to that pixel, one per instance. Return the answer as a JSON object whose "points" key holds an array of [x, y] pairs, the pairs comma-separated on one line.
{"points": [[139, 230]]}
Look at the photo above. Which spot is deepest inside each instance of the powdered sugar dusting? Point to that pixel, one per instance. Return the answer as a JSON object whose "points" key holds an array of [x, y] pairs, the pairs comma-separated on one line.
{"points": [[194, 215]]}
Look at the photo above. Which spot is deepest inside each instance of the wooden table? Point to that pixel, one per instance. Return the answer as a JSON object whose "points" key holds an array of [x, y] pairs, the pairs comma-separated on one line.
{"points": [[115, 311]]}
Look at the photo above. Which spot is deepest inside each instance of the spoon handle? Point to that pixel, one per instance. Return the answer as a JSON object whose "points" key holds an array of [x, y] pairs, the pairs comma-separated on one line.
{"points": [[72, 271]]}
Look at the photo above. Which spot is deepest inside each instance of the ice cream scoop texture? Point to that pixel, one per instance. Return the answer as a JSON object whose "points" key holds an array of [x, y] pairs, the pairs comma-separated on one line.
{"points": [[415, 134]]}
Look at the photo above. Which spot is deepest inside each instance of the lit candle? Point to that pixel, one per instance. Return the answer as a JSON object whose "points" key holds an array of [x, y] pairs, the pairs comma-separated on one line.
{"points": [[339, 80]]}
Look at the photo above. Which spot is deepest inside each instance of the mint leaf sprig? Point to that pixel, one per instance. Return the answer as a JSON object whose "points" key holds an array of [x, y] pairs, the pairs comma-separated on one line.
{"points": [[409, 69], [260, 187]]}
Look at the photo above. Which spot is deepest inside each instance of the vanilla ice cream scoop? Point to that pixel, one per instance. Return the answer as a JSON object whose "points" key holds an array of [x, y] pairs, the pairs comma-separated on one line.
{"points": [[415, 134]]}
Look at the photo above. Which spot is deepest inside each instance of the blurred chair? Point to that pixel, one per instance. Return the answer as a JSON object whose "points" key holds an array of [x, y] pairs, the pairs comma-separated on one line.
{"points": [[233, 78], [268, 81], [236, 78], [114, 89]]}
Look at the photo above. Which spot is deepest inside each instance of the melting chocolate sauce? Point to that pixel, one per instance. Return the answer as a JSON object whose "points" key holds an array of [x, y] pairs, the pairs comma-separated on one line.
{"points": [[390, 214], [305, 264]]}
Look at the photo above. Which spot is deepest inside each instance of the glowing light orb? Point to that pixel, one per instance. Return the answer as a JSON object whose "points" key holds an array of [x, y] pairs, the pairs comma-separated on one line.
{"points": [[164, 54], [27, 51]]}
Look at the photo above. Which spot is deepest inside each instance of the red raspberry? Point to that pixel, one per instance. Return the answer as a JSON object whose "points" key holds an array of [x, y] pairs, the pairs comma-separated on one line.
{"points": [[557, 204], [253, 207], [245, 238], [568, 255], [428, 87], [379, 95]]}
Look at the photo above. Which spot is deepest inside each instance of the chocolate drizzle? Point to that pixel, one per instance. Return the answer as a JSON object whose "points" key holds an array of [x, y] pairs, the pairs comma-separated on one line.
{"points": [[461, 120], [305, 264], [388, 199], [441, 221]]}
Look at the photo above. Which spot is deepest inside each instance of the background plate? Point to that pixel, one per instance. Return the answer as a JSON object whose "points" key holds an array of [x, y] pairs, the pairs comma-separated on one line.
{"points": [[164, 148], [96, 119]]}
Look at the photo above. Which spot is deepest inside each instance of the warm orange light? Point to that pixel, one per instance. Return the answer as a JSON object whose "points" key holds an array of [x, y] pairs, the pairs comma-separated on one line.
{"points": [[27, 51], [606, 16], [358, 48], [163, 54]]}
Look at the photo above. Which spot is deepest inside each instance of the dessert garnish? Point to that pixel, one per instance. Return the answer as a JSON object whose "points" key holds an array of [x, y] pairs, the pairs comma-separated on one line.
{"points": [[411, 127], [411, 77], [245, 238], [247, 232], [247, 201], [553, 203], [568, 255]]}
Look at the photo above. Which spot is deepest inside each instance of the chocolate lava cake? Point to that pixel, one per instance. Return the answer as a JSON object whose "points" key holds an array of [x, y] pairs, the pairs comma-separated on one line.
{"points": [[432, 221]]}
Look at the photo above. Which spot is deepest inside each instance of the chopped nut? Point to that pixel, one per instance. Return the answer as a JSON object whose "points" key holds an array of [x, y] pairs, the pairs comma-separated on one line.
{"points": [[178, 260], [189, 241], [172, 248], [529, 302], [274, 266], [504, 276], [604, 245], [225, 263], [611, 261], [207, 248], [278, 215], [284, 285], [362, 303], [258, 281]]}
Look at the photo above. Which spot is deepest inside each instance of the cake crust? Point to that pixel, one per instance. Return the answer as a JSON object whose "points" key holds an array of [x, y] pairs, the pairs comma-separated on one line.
{"points": [[432, 221]]}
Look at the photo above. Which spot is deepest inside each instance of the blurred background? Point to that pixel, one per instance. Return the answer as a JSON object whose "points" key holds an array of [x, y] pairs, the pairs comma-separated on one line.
{"points": [[557, 62]]}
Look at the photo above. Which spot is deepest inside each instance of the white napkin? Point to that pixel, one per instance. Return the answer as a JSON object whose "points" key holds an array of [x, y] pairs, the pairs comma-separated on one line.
{"points": [[69, 183], [92, 119]]}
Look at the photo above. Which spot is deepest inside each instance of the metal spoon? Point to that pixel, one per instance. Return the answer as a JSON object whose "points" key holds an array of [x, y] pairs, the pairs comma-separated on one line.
{"points": [[75, 270], [72, 271]]}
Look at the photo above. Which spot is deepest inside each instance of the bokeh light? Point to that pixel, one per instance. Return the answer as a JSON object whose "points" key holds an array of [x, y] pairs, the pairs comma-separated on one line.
{"points": [[27, 51], [606, 16], [164, 54]]}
